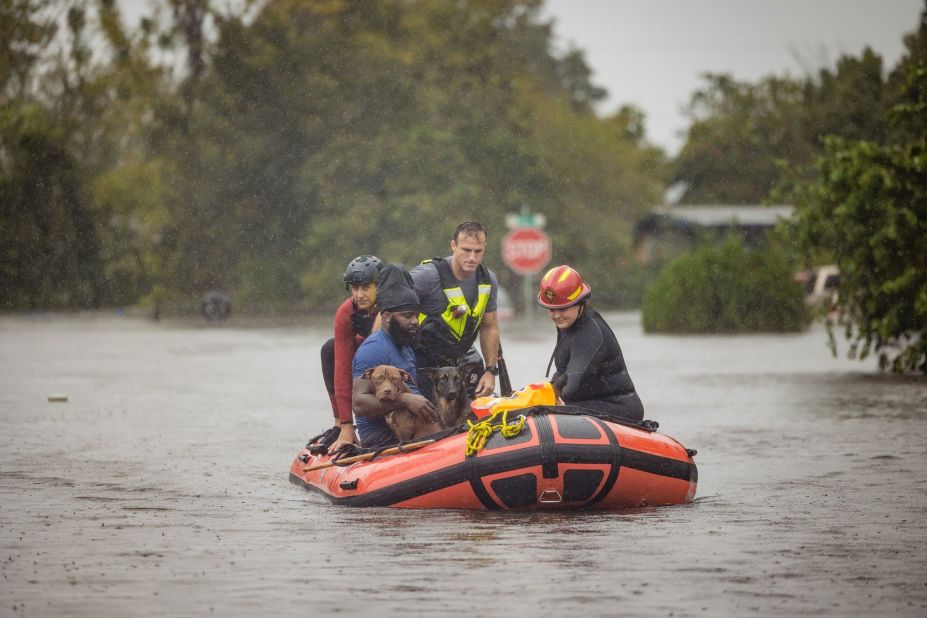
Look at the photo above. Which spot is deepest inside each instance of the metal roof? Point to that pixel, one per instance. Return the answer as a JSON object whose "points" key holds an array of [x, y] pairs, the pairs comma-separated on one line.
{"points": [[723, 215]]}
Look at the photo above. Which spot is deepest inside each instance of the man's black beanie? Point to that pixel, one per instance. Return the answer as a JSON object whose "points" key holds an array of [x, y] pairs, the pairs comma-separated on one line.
{"points": [[394, 290]]}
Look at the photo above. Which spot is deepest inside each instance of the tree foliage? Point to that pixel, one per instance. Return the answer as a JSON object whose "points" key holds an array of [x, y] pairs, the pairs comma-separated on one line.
{"points": [[262, 158], [867, 208], [725, 289], [847, 147], [742, 133], [49, 251], [49, 242]]}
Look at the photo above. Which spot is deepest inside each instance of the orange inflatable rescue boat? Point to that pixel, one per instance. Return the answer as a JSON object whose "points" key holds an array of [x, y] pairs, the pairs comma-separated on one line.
{"points": [[521, 452]]}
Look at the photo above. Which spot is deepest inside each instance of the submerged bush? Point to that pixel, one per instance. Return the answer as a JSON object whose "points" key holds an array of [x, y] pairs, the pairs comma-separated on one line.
{"points": [[725, 289]]}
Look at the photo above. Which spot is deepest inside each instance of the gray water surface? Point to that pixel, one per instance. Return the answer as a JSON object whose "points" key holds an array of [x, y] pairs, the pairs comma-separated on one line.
{"points": [[160, 487]]}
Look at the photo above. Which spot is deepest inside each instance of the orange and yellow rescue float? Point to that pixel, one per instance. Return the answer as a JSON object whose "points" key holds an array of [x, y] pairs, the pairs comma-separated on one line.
{"points": [[522, 453]]}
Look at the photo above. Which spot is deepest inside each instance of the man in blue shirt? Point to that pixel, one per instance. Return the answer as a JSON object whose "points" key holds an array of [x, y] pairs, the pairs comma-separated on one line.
{"points": [[391, 345]]}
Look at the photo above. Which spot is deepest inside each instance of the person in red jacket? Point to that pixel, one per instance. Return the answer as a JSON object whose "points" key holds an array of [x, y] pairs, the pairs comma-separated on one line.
{"points": [[353, 323]]}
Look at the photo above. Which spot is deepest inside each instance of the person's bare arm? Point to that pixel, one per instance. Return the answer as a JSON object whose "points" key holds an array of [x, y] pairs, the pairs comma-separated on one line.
{"points": [[418, 405], [489, 344], [346, 435], [367, 405]]}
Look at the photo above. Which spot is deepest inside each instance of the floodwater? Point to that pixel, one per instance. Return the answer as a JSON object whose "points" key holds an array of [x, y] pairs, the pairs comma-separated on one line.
{"points": [[160, 487]]}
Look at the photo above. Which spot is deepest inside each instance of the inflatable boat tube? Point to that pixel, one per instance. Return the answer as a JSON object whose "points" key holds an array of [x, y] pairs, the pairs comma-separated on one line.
{"points": [[560, 459]]}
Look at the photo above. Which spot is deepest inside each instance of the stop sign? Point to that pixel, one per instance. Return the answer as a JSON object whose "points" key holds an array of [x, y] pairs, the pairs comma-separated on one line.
{"points": [[526, 250]]}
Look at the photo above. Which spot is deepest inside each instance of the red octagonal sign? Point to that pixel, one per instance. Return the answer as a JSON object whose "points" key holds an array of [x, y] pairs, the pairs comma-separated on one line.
{"points": [[526, 250]]}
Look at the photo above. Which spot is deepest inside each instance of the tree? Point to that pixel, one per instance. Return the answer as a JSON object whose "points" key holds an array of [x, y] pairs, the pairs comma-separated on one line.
{"points": [[742, 133], [867, 207], [725, 289], [24, 33], [321, 131], [49, 249], [280, 139], [49, 242], [739, 130]]}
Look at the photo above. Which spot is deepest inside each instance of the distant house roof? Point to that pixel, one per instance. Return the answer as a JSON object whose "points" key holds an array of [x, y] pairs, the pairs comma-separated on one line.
{"points": [[723, 215], [666, 230]]}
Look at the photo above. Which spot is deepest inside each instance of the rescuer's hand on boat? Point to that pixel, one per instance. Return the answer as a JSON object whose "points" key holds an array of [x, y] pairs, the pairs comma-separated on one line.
{"points": [[346, 435], [486, 385]]}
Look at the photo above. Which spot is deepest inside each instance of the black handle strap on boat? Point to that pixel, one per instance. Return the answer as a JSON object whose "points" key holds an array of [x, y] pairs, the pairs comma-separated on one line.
{"points": [[646, 425], [505, 384], [315, 439], [345, 451], [320, 444]]}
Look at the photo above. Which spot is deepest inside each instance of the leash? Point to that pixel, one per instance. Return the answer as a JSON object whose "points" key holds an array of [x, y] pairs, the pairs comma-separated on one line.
{"points": [[480, 432]]}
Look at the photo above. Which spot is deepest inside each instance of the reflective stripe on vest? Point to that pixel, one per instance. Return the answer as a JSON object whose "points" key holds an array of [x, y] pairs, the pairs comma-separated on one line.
{"points": [[459, 322], [457, 311]]}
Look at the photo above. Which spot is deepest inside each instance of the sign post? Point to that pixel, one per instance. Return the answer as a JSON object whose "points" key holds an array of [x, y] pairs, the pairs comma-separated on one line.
{"points": [[526, 249]]}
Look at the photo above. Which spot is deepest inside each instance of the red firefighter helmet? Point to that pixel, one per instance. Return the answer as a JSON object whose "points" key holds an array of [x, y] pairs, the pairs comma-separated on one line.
{"points": [[562, 287]]}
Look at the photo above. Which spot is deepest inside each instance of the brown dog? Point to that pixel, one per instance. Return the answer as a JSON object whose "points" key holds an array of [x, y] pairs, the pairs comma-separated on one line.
{"points": [[452, 399], [388, 383]]}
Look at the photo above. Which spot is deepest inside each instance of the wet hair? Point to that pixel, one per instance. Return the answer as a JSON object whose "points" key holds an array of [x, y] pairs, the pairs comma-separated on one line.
{"points": [[469, 228]]}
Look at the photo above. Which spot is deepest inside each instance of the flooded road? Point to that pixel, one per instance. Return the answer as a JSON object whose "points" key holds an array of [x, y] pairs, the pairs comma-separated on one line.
{"points": [[160, 487]]}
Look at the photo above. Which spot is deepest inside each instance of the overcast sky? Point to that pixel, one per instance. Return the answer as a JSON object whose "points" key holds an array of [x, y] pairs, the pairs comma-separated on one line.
{"points": [[651, 52]]}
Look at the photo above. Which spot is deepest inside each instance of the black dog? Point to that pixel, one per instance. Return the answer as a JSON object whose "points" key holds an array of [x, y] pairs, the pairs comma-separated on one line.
{"points": [[451, 384]]}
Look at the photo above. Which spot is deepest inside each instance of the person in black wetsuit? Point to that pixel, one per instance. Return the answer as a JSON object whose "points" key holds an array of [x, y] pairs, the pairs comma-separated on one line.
{"points": [[589, 365]]}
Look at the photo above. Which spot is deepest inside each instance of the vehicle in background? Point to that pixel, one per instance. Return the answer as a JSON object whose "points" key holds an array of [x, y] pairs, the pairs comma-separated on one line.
{"points": [[821, 283]]}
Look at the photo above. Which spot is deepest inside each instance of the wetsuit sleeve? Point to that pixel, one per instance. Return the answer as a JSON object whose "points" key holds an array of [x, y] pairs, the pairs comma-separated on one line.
{"points": [[345, 346], [588, 351]]}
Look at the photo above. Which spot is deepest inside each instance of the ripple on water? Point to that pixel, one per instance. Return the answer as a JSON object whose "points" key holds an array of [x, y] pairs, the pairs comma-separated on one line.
{"points": [[166, 490]]}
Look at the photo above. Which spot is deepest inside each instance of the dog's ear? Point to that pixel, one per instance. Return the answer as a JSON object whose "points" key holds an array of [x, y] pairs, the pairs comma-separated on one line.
{"points": [[406, 377], [366, 375]]}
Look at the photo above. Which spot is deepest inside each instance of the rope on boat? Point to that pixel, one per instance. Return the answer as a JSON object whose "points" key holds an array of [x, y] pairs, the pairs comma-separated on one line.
{"points": [[480, 432]]}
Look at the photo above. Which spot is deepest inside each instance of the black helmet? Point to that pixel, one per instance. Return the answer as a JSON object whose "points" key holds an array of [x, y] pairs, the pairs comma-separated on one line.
{"points": [[363, 269]]}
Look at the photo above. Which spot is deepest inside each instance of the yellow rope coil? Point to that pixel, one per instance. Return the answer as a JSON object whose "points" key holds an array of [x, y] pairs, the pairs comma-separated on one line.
{"points": [[480, 432]]}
